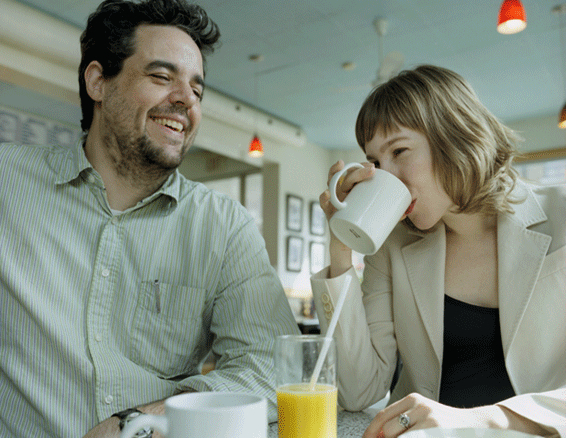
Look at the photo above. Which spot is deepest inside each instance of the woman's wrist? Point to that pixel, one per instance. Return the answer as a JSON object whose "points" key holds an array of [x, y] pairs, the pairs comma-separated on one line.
{"points": [[340, 259]]}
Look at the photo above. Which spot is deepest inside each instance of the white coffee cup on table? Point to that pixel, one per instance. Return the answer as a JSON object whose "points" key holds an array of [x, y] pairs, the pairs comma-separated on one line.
{"points": [[370, 211], [207, 415]]}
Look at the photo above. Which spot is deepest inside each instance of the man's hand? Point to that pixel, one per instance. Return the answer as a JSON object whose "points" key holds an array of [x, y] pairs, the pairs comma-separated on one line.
{"points": [[110, 428]]}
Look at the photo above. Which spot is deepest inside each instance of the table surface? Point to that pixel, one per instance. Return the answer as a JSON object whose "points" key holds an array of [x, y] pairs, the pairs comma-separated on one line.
{"points": [[350, 424]]}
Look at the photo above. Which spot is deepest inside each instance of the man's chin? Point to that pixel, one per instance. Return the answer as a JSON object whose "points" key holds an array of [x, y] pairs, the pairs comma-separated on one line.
{"points": [[165, 157], [167, 163]]}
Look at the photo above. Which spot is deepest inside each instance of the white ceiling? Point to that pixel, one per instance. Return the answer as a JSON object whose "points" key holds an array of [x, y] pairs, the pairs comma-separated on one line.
{"points": [[305, 42]]}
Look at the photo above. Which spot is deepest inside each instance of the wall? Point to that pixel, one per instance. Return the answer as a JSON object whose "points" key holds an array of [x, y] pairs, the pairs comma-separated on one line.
{"points": [[541, 133]]}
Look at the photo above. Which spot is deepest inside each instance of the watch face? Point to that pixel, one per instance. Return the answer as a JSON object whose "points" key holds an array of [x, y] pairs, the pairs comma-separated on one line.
{"points": [[131, 416]]}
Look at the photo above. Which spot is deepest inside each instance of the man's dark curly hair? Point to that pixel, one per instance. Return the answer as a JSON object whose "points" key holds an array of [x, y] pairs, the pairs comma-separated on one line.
{"points": [[109, 36]]}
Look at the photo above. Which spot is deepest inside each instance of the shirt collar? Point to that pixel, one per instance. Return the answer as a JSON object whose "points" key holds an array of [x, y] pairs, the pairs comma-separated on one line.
{"points": [[70, 163]]}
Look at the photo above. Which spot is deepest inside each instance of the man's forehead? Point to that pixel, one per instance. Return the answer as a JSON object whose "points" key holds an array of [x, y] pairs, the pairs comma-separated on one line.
{"points": [[163, 41]]}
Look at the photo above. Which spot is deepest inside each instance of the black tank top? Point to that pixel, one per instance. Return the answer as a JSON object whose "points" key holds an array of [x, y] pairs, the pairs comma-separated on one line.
{"points": [[473, 367]]}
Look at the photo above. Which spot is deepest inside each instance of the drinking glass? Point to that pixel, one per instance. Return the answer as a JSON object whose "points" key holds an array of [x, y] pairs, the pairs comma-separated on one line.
{"points": [[306, 409]]}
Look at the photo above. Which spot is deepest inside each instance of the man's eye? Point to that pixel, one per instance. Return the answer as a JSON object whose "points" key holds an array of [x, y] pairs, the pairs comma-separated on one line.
{"points": [[160, 77], [198, 93], [399, 151]]}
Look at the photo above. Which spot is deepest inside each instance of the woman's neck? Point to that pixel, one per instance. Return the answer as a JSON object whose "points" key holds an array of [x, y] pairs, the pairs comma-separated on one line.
{"points": [[470, 226]]}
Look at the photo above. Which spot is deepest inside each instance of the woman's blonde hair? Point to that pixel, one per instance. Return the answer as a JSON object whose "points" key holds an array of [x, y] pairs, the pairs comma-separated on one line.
{"points": [[471, 150]]}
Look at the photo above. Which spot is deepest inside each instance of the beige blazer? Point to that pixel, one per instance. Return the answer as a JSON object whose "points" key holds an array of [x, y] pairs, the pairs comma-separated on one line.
{"points": [[399, 309]]}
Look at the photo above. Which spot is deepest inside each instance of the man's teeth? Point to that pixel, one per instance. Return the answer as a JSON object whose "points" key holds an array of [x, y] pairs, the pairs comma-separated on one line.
{"points": [[170, 124]]}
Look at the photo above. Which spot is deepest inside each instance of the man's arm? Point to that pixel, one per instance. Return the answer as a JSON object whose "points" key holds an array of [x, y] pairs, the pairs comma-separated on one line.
{"points": [[250, 311]]}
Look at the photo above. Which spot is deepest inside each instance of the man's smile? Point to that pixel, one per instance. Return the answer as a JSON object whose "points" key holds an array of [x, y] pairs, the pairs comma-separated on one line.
{"points": [[169, 123]]}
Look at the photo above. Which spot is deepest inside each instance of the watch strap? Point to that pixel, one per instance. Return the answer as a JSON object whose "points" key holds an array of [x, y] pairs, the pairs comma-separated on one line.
{"points": [[128, 415]]}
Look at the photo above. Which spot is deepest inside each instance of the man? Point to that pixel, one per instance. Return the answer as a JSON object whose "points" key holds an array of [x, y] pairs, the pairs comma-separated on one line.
{"points": [[118, 275]]}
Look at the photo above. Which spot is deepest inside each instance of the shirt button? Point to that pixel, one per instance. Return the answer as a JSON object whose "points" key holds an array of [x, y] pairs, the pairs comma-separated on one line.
{"points": [[108, 399], [98, 338], [105, 272], [114, 220], [91, 179]]}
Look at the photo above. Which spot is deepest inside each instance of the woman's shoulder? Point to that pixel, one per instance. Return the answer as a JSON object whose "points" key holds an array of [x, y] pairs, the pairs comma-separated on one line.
{"points": [[551, 198]]}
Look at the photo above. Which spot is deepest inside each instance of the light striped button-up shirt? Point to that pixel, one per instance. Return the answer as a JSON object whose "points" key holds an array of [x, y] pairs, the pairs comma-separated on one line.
{"points": [[100, 312]]}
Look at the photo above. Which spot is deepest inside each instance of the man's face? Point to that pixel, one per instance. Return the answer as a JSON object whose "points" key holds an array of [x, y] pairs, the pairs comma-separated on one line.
{"points": [[151, 110]]}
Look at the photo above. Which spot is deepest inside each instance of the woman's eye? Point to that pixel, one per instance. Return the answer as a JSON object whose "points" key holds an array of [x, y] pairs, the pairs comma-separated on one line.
{"points": [[398, 152]]}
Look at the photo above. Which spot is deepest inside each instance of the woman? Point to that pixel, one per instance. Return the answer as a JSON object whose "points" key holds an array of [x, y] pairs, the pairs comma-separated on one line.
{"points": [[469, 292]]}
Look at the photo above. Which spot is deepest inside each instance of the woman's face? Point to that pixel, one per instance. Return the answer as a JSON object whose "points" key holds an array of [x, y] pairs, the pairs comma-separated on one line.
{"points": [[406, 154]]}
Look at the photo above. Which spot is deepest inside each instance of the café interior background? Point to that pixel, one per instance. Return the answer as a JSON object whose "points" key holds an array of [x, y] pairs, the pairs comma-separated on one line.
{"points": [[296, 72]]}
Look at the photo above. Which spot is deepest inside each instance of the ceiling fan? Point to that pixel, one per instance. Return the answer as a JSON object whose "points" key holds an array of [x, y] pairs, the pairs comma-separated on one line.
{"points": [[392, 63], [389, 65]]}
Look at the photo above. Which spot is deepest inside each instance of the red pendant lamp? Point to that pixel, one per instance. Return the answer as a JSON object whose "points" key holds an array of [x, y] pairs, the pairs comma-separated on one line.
{"points": [[512, 17], [256, 148]]}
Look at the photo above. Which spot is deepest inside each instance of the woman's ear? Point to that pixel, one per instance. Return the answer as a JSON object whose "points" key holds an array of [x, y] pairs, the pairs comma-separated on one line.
{"points": [[94, 80]]}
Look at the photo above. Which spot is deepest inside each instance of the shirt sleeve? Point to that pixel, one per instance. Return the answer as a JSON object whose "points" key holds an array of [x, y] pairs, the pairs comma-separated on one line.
{"points": [[548, 409], [365, 341], [250, 311]]}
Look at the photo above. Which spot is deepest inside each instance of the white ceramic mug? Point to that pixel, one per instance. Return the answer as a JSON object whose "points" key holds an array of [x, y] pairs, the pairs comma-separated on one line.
{"points": [[370, 211], [207, 415]]}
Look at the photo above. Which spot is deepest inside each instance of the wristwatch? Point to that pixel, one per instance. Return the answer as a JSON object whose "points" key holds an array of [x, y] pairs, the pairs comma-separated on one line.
{"points": [[129, 415]]}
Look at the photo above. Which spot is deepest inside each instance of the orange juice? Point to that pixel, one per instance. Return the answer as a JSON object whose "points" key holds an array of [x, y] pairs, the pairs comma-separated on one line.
{"points": [[307, 414]]}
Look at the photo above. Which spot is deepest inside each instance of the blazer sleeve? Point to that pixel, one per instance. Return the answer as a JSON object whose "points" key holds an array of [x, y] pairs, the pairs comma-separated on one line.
{"points": [[366, 359], [547, 409]]}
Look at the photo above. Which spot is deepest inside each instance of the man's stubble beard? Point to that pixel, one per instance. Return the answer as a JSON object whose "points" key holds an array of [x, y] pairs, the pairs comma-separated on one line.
{"points": [[141, 160]]}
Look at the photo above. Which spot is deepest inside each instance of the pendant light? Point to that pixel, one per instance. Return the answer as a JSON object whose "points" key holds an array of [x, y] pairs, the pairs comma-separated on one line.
{"points": [[255, 149], [512, 17], [561, 9]]}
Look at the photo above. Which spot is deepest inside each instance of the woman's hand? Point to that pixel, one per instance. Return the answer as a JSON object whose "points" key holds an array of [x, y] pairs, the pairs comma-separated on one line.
{"points": [[340, 254], [424, 413]]}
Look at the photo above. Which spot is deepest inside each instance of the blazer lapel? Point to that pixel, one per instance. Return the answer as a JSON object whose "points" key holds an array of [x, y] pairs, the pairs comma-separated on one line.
{"points": [[521, 253], [424, 260]]}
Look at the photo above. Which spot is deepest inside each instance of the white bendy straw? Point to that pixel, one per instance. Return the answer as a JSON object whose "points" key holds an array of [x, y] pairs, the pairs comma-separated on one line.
{"points": [[330, 332]]}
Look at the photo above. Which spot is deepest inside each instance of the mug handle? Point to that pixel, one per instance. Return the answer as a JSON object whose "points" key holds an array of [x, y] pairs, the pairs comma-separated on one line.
{"points": [[158, 422], [333, 183]]}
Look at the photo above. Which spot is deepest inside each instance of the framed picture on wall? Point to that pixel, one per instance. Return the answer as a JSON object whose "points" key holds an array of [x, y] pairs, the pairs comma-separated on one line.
{"points": [[317, 219], [294, 213], [294, 253], [316, 257]]}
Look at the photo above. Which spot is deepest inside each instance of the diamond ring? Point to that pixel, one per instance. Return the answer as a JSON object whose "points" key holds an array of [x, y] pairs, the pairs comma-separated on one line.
{"points": [[404, 420]]}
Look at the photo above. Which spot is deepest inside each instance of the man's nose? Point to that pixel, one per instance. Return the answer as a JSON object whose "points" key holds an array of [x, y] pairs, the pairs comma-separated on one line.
{"points": [[184, 95]]}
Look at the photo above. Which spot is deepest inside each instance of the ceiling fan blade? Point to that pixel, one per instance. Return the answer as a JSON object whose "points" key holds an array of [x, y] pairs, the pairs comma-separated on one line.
{"points": [[350, 88], [391, 65]]}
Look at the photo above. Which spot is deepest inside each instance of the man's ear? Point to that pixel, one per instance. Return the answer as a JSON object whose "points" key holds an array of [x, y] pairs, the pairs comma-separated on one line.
{"points": [[94, 80]]}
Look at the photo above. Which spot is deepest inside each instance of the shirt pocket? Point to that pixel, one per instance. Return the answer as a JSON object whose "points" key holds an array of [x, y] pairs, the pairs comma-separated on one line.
{"points": [[168, 337]]}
